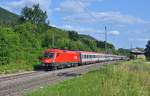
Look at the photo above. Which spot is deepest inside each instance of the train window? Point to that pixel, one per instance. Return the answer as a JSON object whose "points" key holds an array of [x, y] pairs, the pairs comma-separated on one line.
{"points": [[86, 56], [83, 56], [91, 56], [49, 55]]}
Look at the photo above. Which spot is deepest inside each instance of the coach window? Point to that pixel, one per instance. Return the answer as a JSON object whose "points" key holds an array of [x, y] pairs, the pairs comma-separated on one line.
{"points": [[97, 56], [88, 56], [84, 56]]}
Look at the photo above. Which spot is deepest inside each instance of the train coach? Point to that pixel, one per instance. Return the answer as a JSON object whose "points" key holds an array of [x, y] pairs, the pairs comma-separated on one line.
{"points": [[56, 58]]}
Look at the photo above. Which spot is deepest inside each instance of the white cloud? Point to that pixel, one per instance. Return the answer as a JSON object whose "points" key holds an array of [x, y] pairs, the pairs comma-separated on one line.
{"points": [[104, 17], [70, 6], [16, 6], [144, 30], [79, 13], [75, 6], [115, 32], [142, 39], [117, 17], [139, 39], [88, 31]]}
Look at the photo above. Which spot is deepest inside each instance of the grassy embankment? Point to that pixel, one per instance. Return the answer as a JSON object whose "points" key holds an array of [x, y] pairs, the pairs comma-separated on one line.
{"points": [[120, 79], [26, 62]]}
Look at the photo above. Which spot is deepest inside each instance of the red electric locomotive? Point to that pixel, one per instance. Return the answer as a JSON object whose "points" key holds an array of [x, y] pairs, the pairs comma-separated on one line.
{"points": [[56, 58]]}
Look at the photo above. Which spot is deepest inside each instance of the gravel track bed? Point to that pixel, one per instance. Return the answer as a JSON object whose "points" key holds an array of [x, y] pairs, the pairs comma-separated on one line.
{"points": [[19, 84]]}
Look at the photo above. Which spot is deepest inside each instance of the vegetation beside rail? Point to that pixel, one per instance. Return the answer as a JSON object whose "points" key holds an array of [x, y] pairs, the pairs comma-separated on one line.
{"points": [[120, 79]]}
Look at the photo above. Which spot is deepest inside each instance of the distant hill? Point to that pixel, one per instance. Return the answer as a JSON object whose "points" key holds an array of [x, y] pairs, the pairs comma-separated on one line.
{"points": [[87, 37], [7, 18]]}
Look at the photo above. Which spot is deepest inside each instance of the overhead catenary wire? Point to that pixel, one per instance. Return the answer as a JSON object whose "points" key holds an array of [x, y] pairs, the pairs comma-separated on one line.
{"points": [[95, 19]]}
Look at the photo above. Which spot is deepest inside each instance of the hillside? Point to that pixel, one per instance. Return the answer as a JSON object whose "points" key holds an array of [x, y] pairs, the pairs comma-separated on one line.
{"points": [[7, 17], [87, 37]]}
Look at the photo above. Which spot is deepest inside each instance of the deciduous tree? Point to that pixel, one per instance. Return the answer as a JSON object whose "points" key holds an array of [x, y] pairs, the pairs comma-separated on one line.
{"points": [[147, 50], [34, 14]]}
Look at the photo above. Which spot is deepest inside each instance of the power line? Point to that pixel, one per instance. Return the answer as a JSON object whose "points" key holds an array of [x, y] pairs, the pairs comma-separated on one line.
{"points": [[85, 9], [93, 17]]}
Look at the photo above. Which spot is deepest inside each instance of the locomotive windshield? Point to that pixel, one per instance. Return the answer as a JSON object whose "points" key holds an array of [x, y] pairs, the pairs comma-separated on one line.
{"points": [[49, 55]]}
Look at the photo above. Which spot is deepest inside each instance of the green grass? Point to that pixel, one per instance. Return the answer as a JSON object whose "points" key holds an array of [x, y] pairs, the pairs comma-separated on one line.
{"points": [[120, 79], [14, 68], [26, 62]]}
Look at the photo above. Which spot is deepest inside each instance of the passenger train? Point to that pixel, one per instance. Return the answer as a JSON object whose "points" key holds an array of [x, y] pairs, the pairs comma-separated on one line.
{"points": [[57, 58]]}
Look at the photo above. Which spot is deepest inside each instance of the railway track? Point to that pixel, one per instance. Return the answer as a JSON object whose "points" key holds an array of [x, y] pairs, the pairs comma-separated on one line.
{"points": [[19, 84], [15, 76]]}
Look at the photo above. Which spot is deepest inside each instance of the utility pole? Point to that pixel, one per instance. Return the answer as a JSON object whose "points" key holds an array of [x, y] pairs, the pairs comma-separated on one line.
{"points": [[105, 39]]}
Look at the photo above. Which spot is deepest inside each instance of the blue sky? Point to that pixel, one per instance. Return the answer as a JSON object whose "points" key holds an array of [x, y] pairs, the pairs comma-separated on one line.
{"points": [[127, 21]]}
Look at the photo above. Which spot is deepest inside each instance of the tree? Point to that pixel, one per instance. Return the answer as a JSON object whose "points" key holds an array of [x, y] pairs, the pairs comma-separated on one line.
{"points": [[34, 14], [73, 35], [123, 51], [147, 50]]}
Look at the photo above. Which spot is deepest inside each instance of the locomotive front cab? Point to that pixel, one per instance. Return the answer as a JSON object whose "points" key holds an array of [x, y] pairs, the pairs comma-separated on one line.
{"points": [[48, 58]]}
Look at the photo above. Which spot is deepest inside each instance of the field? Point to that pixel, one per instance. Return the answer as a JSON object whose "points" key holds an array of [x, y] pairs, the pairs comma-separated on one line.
{"points": [[119, 79]]}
